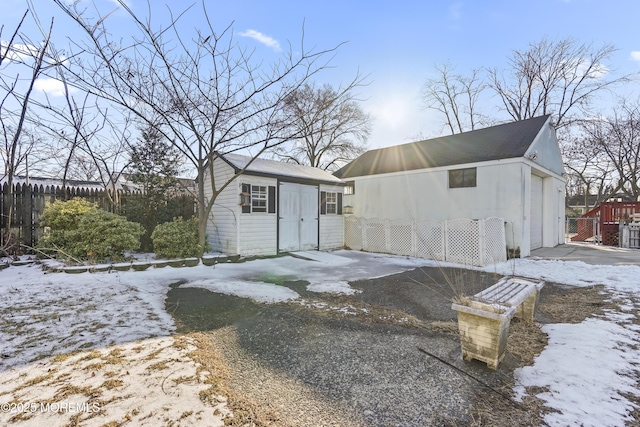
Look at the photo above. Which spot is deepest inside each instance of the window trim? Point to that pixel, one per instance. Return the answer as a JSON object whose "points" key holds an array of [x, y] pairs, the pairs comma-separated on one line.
{"points": [[332, 205], [258, 193], [324, 204], [468, 178]]}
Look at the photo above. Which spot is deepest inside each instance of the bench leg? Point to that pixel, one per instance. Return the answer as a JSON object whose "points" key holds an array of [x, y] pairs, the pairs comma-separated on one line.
{"points": [[527, 310]]}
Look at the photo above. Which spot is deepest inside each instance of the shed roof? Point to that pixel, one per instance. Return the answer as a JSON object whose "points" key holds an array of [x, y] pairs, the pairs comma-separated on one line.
{"points": [[510, 140], [264, 167]]}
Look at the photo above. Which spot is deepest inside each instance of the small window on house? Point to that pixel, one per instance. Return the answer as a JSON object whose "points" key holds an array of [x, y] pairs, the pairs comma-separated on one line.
{"points": [[332, 203], [350, 188], [460, 178], [258, 198]]}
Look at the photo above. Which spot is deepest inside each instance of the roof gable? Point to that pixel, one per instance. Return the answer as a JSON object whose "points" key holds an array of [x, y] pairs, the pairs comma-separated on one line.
{"points": [[506, 141], [264, 167]]}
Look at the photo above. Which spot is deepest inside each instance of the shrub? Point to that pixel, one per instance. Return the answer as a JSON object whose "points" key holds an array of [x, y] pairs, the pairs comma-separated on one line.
{"points": [[60, 218], [101, 234], [79, 229], [177, 239]]}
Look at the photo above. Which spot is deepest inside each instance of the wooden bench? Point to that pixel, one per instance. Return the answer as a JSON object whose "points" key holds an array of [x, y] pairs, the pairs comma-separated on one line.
{"points": [[483, 319]]}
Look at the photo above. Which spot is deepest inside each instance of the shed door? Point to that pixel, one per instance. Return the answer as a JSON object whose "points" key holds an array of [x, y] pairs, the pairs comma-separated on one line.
{"points": [[298, 215], [536, 212]]}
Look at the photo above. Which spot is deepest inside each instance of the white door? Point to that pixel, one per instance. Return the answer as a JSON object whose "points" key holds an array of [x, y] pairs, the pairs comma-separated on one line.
{"points": [[536, 212], [298, 214], [289, 216]]}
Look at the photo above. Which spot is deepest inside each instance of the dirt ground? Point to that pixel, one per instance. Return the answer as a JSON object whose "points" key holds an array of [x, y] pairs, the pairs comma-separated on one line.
{"points": [[389, 355]]}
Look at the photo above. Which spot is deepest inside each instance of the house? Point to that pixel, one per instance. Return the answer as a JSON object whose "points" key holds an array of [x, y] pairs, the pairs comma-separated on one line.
{"points": [[513, 171], [272, 207]]}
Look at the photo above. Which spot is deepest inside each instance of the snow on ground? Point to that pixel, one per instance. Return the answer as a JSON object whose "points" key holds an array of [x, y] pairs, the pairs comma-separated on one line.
{"points": [[161, 384], [589, 369], [43, 314]]}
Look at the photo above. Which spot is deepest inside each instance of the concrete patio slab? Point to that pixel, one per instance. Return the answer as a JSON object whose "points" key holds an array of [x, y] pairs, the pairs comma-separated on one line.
{"points": [[589, 253]]}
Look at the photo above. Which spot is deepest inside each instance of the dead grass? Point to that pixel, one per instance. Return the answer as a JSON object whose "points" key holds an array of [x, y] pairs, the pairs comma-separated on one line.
{"points": [[575, 305], [158, 366], [93, 354], [112, 383], [448, 328], [348, 307], [245, 411], [525, 342]]}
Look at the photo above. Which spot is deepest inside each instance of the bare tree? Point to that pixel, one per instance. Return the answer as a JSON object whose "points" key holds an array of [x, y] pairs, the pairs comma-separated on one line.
{"points": [[618, 138], [560, 78], [455, 97], [332, 129], [206, 95], [590, 173], [17, 54]]}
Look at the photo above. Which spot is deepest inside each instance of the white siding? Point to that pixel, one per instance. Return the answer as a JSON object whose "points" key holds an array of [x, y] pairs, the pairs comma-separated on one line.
{"points": [[545, 151], [223, 220], [425, 194], [257, 231], [331, 226]]}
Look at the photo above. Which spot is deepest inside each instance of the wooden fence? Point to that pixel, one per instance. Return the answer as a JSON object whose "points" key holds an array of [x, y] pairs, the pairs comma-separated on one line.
{"points": [[29, 202], [607, 217]]}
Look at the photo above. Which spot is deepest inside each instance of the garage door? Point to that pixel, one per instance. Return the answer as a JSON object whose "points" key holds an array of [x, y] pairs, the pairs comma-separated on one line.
{"points": [[536, 212]]}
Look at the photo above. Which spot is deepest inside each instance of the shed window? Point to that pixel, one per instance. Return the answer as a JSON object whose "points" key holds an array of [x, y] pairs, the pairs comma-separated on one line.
{"points": [[258, 198], [330, 203], [460, 178]]}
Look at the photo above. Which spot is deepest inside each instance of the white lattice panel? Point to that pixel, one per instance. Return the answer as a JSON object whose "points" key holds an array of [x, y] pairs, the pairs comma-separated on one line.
{"points": [[401, 237], [353, 233], [430, 240], [495, 245], [375, 236], [462, 242]]}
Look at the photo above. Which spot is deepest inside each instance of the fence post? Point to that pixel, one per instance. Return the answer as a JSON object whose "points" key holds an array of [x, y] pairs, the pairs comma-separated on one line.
{"points": [[365, 241], [27, 202], [445, 240], [414, 239], [623, 235], [387, 236], [481, 242]]}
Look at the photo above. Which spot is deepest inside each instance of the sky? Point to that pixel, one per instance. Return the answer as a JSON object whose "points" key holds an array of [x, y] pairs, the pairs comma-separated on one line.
{"points": [[394, 44]]}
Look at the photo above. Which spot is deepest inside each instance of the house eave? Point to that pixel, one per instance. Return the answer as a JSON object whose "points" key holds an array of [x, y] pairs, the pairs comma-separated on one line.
{"points": [[513, 160]]}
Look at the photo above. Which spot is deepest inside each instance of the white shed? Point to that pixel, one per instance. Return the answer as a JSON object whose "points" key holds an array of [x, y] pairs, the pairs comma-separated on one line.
{"points": [[273, 207], [512, 171]]}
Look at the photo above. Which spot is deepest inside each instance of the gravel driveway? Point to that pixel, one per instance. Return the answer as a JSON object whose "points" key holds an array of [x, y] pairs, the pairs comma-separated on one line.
{"points": [[352, 369]]}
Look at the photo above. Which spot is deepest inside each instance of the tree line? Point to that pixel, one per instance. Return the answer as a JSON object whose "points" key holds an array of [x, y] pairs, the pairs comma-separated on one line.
{"points": [[568, 80]]}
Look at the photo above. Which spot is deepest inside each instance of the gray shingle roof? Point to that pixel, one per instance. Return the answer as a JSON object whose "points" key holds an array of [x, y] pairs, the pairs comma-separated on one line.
{"points": [[506, 141], [280, 169]]}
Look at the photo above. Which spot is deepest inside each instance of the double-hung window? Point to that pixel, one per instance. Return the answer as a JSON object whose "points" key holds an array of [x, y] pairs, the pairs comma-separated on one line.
{"points": [[258, 198]]}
